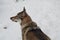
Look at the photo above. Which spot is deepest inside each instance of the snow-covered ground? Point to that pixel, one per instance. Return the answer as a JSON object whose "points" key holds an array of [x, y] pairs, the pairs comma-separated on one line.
{"points": [[46, 13]]}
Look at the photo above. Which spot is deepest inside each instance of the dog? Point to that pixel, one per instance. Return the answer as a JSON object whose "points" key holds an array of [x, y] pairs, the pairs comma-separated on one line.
{"points": [[30, 30]]}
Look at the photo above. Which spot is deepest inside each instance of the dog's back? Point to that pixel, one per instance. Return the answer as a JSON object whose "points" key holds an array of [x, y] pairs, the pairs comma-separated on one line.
{"points": [[35, 33]]}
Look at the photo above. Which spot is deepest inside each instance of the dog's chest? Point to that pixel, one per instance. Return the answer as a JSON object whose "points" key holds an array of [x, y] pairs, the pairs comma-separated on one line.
{"points": [[24, 33]]}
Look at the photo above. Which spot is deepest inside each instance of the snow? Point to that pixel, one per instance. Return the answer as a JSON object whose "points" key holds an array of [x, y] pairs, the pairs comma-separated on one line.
{"points": [[46, 13]]}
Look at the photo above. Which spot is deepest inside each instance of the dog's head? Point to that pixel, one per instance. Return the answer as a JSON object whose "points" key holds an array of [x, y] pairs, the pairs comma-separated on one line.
{"points": [[20, 16]]}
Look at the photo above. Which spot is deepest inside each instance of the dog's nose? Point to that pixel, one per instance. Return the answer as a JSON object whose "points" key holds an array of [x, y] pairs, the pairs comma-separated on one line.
{"points": [[11, 18]]}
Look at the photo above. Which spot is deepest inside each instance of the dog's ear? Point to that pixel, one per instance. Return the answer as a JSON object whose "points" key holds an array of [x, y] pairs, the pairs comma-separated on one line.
{"points": [[24, 9]]}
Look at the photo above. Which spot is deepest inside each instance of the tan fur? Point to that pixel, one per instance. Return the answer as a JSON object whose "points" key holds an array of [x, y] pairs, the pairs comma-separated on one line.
{"points": [[26, 21], [27, 24]]}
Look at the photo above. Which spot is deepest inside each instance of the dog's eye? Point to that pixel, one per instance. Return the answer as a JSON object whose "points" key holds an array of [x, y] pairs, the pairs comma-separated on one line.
{"points": [[19, 16]]}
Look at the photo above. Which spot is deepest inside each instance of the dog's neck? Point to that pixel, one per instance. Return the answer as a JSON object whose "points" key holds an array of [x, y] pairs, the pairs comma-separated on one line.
{"points": [[26, 21]]}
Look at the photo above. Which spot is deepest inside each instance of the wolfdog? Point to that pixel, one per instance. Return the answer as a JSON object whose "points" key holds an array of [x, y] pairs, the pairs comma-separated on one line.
{"points": [[30, 30]]}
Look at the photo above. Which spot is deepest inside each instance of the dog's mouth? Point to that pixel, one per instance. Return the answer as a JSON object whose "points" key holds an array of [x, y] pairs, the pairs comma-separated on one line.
{"points": [[13, 19]]}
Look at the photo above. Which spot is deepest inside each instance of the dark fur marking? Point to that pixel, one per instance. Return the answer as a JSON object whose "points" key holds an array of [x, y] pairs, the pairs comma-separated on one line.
{"points": [[39, 34]]}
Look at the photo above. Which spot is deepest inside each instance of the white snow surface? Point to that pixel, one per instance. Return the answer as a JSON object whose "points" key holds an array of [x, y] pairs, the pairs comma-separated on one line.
{"points": [[46, 13]]}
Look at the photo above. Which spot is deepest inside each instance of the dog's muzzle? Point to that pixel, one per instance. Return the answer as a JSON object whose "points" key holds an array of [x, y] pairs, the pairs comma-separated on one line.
{"points": [[13, 19]]}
